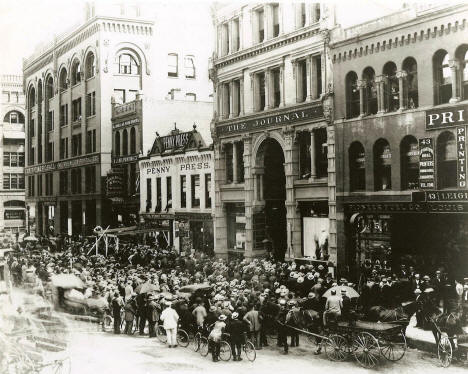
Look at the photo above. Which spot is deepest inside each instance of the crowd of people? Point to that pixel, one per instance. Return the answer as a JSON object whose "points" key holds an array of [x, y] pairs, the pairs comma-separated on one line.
{"points": [[245, 297]]}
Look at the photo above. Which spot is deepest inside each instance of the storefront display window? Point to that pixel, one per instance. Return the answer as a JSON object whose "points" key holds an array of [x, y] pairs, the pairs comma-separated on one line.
{"points": [[236, 226]]}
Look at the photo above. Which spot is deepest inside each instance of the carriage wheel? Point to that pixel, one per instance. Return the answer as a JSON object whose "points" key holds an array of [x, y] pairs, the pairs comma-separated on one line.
{"points": [[182, 338], [250, 351], [393, 347], [366, 349], [17, 361], [204, 348], [225, 351], [336, 347], [444, 351], [196, 342], [161, 334], [62, 366]]}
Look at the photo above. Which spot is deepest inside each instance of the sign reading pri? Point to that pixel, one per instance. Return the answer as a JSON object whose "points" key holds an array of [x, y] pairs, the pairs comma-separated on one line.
{"points": [[446, 117], [426, 163], [461, 157], [176, 141], [273, 120]]}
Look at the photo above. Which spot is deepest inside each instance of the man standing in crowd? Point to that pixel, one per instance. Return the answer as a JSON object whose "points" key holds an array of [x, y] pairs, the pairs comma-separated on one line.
{"points": [[153, 312], [237, 331], [117, 305], [199, 312], [171, 319], [332, 308], [252, 317], [130, 311]]}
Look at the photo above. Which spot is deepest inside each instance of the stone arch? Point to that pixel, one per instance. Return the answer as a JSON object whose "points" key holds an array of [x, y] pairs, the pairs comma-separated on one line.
{"points": [[92, 49], [257, 152], [143, 60]]}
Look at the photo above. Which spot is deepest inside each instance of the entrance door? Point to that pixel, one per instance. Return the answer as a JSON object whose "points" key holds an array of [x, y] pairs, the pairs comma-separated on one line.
{"points": [[274, 192]]}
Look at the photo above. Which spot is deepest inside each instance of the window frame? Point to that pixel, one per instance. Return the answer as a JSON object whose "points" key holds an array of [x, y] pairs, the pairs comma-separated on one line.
{"points": [[171, 73]]}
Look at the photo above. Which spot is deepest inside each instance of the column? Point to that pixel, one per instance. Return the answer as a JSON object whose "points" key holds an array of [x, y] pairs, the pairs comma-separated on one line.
{"points": [[288, 134], [248, 193], [309, 77], [379, 81], [231, 94], [254, 90], [229, 36], [240, 31], [267, 89], [83, 115], [401, 75], [313, 169], [241, 96], [268, 21], [271, 89], [234, 162], [298, 80], [282, 86], [308, 13], [218, 100], [362, 86], [313, 78], [225, 100], [220, 211], [455, 70]]}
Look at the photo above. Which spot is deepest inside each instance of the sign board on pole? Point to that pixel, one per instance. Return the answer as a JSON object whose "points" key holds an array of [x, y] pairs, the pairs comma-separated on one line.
{"points": [[426, 163]]}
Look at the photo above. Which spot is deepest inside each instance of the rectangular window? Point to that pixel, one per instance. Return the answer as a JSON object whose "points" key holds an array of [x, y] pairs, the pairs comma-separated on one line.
{"points": [[31, 127], [39, 185], [235, 35], [21, 181], [6, 96], [91, 104], [225, 38], [318, 67], [6, 159], [90, 179], [13, 117], [183, 191], [119, 96], [76, 110], [91, 141], [260, 91], [195, 184], [302, 15], [76, 145], [276, 25], [304, 155], [168, 193], [63, 182], [158, 195], [207, 190], [6, 181], [172, 65], [76, 181], [50, 152], [31, 185], [49, 184], [63, 148], [276, 87], [189, 65], [240, 161], [301, 81], [64, 115], [132, 94], [31, 156], [321, 148], [149, 203], [229, 163], [50, 121], [261, 25]]}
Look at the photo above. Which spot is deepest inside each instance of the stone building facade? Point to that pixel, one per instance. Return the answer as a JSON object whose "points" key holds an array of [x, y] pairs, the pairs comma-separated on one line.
{"points": [[273, 146]]}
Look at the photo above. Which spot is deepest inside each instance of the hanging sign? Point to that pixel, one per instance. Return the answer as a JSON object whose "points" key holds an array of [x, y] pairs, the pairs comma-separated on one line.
{"points": [[461, 157], [426, 163]]}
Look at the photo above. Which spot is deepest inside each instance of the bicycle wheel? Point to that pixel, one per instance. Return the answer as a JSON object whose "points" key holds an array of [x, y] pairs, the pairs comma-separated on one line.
{"points": [[62, 366], [250, 352], [107, 323], [204, 348], [225, 351], [161, 334], [444, 351], [182, 338], [393, 347], [336, 348], [196, 342]]}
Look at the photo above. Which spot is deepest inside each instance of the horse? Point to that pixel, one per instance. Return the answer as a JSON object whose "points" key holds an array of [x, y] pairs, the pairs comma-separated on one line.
{"points": [[306, 320]]}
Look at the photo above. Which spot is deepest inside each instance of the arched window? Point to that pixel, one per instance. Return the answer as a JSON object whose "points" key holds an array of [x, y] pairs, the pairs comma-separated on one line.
{"points": [[117, 143], [90, 65], [357, 167], [127, 64], [352, 95], [382, 165], [32, 97], [411, 68], [39, 93], [132, 141], [462, 56], [63, 79], [49, 89], [446, 160], [76, 72], [442, 77], [391, 87], [14, 117], [409, 152], [370, 96], [125, 143]]}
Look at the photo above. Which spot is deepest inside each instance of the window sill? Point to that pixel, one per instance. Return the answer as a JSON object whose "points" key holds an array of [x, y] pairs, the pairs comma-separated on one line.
{"points": [[91, 116], [191, 78], [90, 78], [173, 76]]}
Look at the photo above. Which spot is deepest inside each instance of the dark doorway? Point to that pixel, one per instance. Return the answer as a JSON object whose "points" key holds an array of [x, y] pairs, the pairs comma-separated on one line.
{"points": [[274, 192], [76, 217]]}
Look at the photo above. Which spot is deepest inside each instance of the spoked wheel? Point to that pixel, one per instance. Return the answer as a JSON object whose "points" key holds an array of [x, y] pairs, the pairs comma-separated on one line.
{"points": [[62, 366], [225, 351], [195, 344], [161, 334], [336, 348], [393, 347], [107, 323], [366, 349], [182, 338], [444, 351], [204, 348], [17, 362], [250, 351]]}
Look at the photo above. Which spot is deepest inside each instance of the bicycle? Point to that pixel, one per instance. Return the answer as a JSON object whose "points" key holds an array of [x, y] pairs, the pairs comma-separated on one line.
{"points": [[182, 336], [225, 352], [249, 350]]}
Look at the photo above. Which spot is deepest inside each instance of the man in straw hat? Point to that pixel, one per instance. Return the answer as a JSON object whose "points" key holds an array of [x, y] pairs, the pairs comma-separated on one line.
{"points": [[215, 337], [170, 319]]}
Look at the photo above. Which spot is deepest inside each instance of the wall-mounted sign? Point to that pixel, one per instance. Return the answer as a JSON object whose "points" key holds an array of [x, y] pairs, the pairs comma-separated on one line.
{"points": [[129, 122], [446, 117], [447, 196], [176, 141], [272, 120], [124, 159], [461, 157], [67, 164], [115, 184], [14, 214], [426, 163], [404, 207]]}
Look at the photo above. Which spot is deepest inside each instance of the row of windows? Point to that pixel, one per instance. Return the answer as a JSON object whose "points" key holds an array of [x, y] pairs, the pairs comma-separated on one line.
{"points": [[13, 181], [395, 89], [122, 144], [173, 66], [14, 117], [446, 161], [13, 159], [10, 96], [195, 197]]}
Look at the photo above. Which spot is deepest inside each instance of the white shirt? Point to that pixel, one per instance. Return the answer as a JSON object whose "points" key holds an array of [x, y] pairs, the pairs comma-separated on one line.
{"points": [[170, 318]]}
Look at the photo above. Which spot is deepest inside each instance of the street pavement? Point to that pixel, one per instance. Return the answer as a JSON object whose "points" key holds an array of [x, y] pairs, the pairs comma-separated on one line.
{"points": [[92, 351]]}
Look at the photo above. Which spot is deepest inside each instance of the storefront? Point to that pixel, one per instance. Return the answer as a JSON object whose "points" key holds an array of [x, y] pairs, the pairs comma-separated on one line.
{"points": [[157, 229], [195, 232]]}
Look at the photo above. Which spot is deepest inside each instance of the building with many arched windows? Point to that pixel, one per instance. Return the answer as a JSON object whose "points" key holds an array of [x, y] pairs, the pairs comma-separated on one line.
{"points": [[401, 110]]}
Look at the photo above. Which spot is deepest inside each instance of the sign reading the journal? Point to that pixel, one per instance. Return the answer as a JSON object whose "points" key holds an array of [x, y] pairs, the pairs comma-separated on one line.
{"points": [[461, 157], [426, 163], [446, 117], [273, 120]]}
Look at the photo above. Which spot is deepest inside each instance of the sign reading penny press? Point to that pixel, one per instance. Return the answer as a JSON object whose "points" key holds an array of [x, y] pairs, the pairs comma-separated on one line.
{"points": [[176, 141], [446, 117], [461, 157], [426, 163], [273, 120]]}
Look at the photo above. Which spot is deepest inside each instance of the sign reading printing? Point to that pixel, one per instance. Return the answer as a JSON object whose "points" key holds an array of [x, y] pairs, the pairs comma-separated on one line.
{"points": [[273, 120], [446, 117], [461, 157], [426, 163]]}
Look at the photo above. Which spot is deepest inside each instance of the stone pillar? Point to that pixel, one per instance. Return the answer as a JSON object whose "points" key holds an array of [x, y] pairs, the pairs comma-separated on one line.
{"points": [[268, 21], [380, 82], [225, 100], [313, 168], [313, 78], [84, 116], [332, 212], [234, 162], [288, 134], [362, 86], [220, 216], [231, 99], [271, 89], [401, 75], [241, 96], [230, 37], [455, 71], [282, 86], [268, 88], [309, 77], [248, 195]]}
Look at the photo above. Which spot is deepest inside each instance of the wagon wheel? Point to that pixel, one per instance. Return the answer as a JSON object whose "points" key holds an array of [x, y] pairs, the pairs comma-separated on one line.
{"points": [[393, 347], [444, 351], [336, 347], [17, 361], [62, 366], [366, 349], [161, 334], [225, 351], [204, 347]]}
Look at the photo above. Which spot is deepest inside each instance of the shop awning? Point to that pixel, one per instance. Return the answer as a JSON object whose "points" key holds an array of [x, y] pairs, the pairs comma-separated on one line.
{"points": [[14, 135]]}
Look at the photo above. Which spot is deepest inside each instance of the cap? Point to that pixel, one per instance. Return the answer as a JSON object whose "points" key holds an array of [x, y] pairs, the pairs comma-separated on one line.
{"points": [[234, 315], [222, 317]]}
